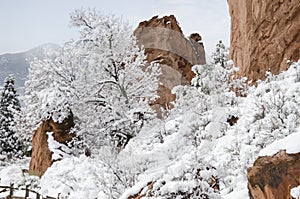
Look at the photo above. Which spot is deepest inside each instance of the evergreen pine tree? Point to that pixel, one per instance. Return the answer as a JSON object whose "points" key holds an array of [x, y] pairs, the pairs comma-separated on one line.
{"points": [[9, 104], [220, 55], [213, 78]]}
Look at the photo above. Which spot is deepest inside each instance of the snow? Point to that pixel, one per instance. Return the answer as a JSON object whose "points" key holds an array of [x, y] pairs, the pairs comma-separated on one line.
{"points": [[10, 174], [171, 126], [80, 177], [295, 192], [176, 186], [137, 188], [289, 144], [54, 105], [239, 192], [14, 173], [218, 120], [59, 151], [177, 169]]}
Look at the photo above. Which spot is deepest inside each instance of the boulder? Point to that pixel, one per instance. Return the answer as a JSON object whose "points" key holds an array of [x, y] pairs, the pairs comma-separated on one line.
{"points": [[264, 36], [272, 177], [41, 157], [165, 43]]}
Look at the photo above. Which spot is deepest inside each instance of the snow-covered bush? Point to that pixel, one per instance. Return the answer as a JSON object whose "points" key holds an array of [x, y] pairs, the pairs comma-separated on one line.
{"points": [[86, 177], [277, 104], [188, 178], [80, 177]]}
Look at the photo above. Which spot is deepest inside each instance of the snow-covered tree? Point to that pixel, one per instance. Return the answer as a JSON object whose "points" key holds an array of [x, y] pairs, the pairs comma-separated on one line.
{"points": [[22, 131], [214, 77], [220, 55], [217, 76], [102, 77], [10, 144]]}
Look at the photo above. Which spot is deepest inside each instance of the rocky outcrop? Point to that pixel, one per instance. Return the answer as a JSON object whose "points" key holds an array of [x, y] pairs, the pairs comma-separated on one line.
{"points": [[264, 35], [41, 157], [273, 177], [165, 43]]}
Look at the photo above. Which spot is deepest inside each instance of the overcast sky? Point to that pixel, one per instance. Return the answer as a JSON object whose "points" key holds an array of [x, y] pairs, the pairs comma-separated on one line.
{"points": [[26, 24]]}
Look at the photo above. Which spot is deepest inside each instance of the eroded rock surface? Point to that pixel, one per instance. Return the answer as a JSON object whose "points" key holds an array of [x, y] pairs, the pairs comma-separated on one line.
{"points": [[264, 35], [41, 157], [273, 177], [165, 43]]}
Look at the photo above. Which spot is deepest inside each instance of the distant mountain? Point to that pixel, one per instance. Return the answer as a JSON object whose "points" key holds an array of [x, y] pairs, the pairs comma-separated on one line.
{"points": [[18, 63]]}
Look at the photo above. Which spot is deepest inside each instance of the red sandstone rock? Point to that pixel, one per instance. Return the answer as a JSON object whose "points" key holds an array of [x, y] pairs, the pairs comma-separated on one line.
{"points": [[274, 177], [41, 157], [165, 43], [264, 35]]}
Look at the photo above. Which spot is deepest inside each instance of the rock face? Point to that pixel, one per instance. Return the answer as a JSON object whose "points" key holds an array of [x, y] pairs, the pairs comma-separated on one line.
{"points": [[273, 177], [165, 43], [41, 157], [264, 35]]}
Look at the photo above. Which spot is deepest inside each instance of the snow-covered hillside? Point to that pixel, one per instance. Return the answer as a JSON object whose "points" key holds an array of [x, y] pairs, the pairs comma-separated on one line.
{"points": [[181, 154]]}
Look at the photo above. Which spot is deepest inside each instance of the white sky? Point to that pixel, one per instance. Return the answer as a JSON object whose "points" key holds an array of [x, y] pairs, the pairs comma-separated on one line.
{"points": [[26, 24]]}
